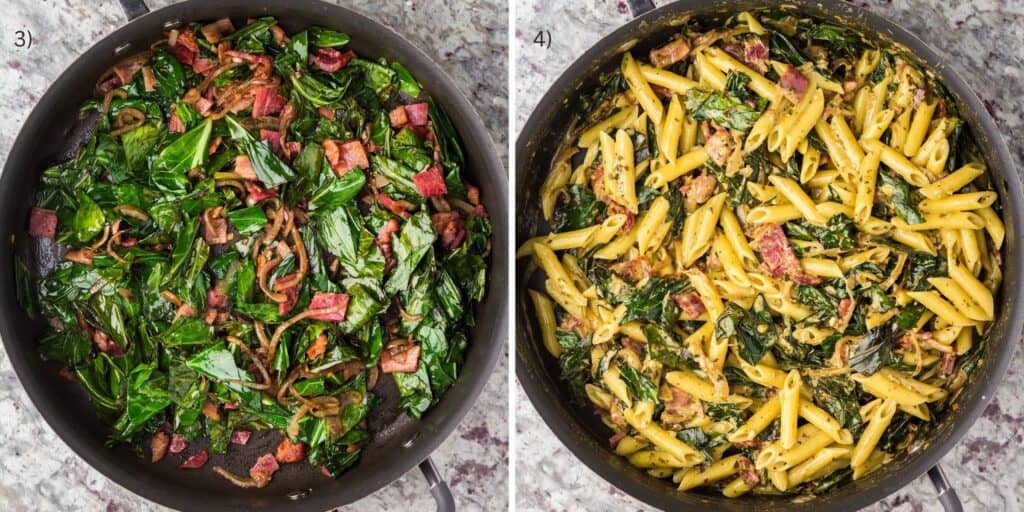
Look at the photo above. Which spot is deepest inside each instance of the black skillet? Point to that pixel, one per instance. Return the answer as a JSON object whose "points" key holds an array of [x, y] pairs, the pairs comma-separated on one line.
{"points": [[52, 132], [582, 432]]}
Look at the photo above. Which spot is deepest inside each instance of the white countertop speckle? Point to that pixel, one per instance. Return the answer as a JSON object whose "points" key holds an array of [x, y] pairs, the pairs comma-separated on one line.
{"points": [[38, 472], [984, 42]]}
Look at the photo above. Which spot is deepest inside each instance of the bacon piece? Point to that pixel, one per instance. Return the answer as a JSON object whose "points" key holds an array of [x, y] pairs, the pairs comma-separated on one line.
{"points": [[202, 65], [691, 304], [288, 452], [240, 437], [289, 286], [174, 124], [105, 344], [430, 182], [384, 237], [211, 411], [273, 138], [451, 227], [345, 156], [329, 59], [719, 145], [395, 207], [398, 117], [700, 189], [267, 102], [279, 36], [634, 270], [318, 347], [794, 82], [42, 222], [158, 446], [216, 299], [755, 54], [323, 300], [215, 226], [403, 357], [187, 39], [257, 193], [419, 113], [185, 48], [778, 257], [231, 406], [214, 145], [216, 31], [263, 470], [292, 149], [473, 195], [195, 461], [670, 53], [615, 439], [243, 168], [327, 113], [947, 364], [178, 443], [203, 106]]}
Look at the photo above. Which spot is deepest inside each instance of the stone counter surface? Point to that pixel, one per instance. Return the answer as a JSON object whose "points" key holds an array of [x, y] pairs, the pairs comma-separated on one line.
{"points": [[38, 472], [984, 42]]}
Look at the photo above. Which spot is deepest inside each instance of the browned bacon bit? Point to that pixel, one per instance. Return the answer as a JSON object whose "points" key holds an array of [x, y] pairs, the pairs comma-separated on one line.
{"points": [[634, 270], [947, 364], [396, 207], [258, 194], [755, 54], [243, 168], [398, 117], [83, 256], [273, 138], [105, 344], [753, 443], [329, 59], [216, 31], [635, 346], [419, 113], [334, 304], [699, 189], [794, 83], [451, 227], [211, 411], [215, 226], [778, 257], [317, 348], [690, 304], [158, 446], [148, 79], [345, 156], [747, 472], [615, 439], [267, 102], [662, 92], [569, 323], [178, 443], [288, 452], [719, 144], [263, 470], [327, 113], [42, 223], [400, 357], [195, 461], [240, 437], [670, 53]]}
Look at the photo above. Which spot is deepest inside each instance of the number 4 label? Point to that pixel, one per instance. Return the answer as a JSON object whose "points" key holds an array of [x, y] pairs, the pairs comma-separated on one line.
{"points": [[543, 39]]}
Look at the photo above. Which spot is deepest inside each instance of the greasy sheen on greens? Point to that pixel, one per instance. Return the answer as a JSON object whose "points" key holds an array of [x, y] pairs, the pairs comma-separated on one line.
{"points": [[260, 228]]}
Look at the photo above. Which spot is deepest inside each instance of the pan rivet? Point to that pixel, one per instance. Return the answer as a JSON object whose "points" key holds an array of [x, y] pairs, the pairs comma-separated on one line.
{"points": [[169, 24], [122, 49], [411, 441], [298, 495]]}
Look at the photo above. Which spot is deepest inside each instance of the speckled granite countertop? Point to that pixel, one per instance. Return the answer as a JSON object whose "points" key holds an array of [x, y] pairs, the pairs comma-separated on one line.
{"points": [[38, 471], [984, 41]]}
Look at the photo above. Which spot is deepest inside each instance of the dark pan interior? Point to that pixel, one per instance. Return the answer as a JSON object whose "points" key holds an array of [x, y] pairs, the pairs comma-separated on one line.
{"points": [[578, 427], [52, 133]]}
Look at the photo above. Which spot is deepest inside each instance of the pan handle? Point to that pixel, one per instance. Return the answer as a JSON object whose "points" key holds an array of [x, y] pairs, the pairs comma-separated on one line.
{"points": [[438, 487], [133, 8], [947, 494], [638, 7]]}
